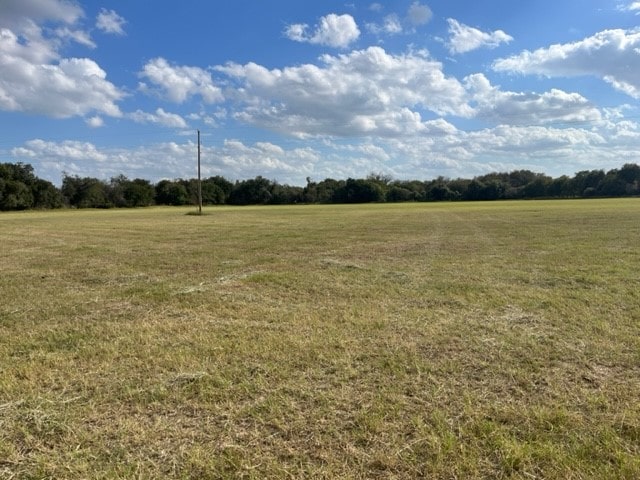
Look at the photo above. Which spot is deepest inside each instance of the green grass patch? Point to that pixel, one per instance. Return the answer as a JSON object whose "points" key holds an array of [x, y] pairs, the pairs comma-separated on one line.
{"points": [[463, 340]]}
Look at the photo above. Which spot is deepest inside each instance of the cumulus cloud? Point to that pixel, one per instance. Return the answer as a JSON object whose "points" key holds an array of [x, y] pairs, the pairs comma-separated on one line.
{"points": [[68, 149], [365, 92], [75, 86], [631, 7], [52, 159], [159, 117], [439, 149], [465, 39], [337, 31], [15, 13], [110, 22], [528, 108], [264, 158], [179, 83], [34, 78], [612, 55], [233, 159]]}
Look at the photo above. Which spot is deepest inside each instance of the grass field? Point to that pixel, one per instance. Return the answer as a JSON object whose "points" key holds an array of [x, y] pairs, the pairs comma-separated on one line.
{"points": [[464, 340]]}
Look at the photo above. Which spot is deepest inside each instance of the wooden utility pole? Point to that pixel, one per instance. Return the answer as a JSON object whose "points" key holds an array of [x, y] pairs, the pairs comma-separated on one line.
{"points": [[199, 179]]}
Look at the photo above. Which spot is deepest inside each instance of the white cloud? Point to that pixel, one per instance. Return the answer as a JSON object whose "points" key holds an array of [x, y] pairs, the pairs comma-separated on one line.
{"points": [[95, 122], [612, 55], [179, 83], [15, 13], [159, 117], [520, 108], [376, 7], [233, 159], [438, 149], [51, 159], [419, 14], [365, 92], [465, 39], [78, 36], [263, 158], [75, 86], [110, 22], [33, 76], [68, 149], [391, 25], [632, 7], [337, 31]]}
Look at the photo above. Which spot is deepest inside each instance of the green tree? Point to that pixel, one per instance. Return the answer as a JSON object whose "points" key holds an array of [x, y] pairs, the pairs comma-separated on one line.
{"points": [[438, 190], [585, 182], [171, 193], [612, 185], [321, 192], [359, 191], [560, 187], [138, 193], [255, 191], [397, 193], [630, 175], [46, 195], [85, 192], [538, 187], [15, 196]]}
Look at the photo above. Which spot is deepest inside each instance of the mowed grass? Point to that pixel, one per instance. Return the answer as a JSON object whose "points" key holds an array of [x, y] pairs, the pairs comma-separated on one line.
{"points": [[465, 340]]}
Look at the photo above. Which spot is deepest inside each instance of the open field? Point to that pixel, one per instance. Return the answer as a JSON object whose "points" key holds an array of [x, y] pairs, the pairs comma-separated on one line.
{"points": [[466, 340]]}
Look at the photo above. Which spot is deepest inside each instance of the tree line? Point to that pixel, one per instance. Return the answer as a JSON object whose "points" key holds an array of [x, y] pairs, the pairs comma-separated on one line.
{"points": [[20, 189]]}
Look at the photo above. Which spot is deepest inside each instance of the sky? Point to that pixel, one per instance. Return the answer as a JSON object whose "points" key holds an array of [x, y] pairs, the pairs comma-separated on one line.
{"points": [[294, 90]]}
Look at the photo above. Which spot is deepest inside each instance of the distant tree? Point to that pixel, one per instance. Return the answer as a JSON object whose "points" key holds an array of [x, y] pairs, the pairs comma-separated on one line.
{"points": [[416, 187], [15, 195], [19, 172], [321, 192], [585, 182], [397, 193], [630, 175], [286, 194], [520, 178], [169, 192], [538, 187], [611, 185], [310, 192], [46, 195], [85, 192], [212, 194], [438, 190], [115, 191], [492, 190], [359, 191], [21, 189], [224, 186], [459, 186], [256, 191], [382, 180], [560, 187], [138, 193]]}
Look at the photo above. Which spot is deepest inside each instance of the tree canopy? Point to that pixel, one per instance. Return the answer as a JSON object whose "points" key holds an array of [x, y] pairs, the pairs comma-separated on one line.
{"points": [[20, 189]]}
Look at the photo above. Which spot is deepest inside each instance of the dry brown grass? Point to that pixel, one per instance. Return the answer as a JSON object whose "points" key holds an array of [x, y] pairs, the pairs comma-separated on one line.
{"points": [[479, 340]]}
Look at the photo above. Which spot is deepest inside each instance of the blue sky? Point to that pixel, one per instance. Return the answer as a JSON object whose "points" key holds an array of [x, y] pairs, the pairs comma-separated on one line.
{"points": [[292, 90]]}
